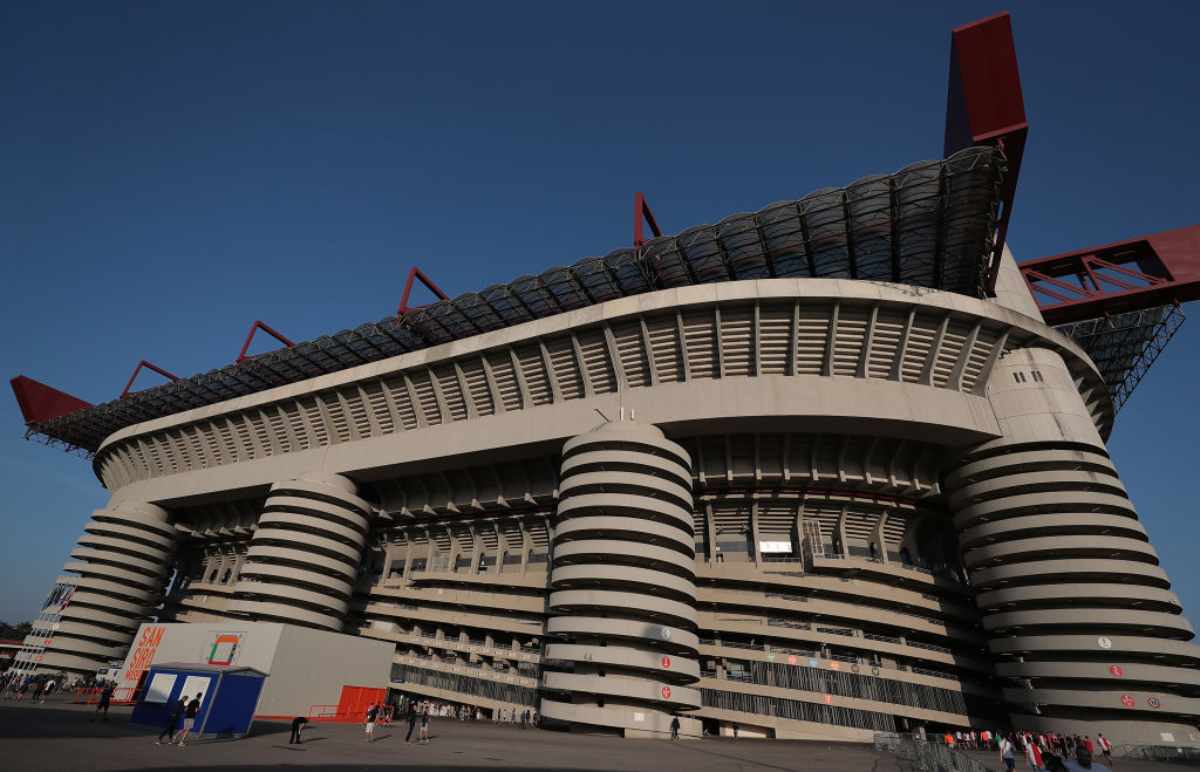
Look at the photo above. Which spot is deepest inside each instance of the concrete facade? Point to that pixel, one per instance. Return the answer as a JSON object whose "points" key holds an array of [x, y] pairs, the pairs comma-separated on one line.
{"points": [[855, 506]]}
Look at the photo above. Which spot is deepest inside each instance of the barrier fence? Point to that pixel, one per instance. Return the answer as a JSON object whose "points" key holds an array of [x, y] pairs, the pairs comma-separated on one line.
{"points": [[91, 696]]}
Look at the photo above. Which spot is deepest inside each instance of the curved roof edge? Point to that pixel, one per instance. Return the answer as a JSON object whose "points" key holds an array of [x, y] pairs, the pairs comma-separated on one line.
{"points": [[931, 224]]}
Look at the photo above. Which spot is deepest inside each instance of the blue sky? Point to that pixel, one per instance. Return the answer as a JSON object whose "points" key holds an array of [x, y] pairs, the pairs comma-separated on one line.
{"points": [[169, 173]]}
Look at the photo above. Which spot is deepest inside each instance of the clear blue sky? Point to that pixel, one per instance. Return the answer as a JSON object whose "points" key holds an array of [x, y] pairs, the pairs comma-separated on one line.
{"points": [[171, 172]]}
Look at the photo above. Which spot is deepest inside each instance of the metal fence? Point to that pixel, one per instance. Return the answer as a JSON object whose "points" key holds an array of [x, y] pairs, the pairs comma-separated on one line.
{"points": [[927, 756]]}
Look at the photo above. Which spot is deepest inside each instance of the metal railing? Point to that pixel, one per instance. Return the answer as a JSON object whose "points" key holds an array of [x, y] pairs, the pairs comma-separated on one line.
{"points": [[1173, 753], [927, 756]]}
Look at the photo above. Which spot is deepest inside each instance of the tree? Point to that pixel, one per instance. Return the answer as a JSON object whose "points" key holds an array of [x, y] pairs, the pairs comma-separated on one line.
{"points": [[15, 632]]}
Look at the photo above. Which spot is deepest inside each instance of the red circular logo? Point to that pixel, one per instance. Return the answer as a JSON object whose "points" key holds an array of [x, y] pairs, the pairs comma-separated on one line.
{"points": [[791, 659], [666, 692], [1117, 670], [1127, 701], [666, 662], [828, 699]]}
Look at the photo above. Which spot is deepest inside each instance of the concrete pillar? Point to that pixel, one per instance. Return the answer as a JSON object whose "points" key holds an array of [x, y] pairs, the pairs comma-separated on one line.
{"points": [[622, 584], [303, 560], [123, 559], [1083, 625]]}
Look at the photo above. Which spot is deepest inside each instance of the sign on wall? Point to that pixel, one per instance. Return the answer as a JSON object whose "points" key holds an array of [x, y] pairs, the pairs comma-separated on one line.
{"points": [[141, 655], [223, 649]]}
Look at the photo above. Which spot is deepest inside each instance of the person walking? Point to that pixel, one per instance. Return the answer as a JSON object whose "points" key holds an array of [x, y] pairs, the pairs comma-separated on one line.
{"points": [[1105, 747], [48, 690], [174, 716], [297, 725], [412, 719], [1008, 752], [191, 718], [105, 700], [425, 726], [1083, 761], [372, 714], [675, 727]]}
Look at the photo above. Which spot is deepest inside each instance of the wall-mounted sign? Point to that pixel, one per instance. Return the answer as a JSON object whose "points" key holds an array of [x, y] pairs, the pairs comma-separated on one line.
{"points": [[1116, 670], [142, 654], [1104, 642], [774, 546], [223, 649]]}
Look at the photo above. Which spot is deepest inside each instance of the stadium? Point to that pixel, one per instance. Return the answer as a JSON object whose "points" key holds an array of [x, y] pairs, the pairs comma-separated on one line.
{"points": [[827, 469]]}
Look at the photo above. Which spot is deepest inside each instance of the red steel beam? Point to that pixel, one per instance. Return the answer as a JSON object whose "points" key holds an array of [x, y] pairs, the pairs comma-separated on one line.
{"points": [[984, 106], [643, 216], [1131, 275], [415, 273], [254, 328], [148, 366], [39, 402]]}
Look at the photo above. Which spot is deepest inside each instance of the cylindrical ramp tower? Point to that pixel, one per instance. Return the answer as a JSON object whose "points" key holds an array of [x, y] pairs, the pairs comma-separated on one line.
{"points": [[303, 560], [1084, 628], [622, 621], [122, 560]]}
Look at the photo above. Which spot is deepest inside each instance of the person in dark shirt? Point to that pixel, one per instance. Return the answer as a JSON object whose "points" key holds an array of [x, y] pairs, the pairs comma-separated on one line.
{"points": [[675, 728], [105, 700], [372, 715], [412, 719], [174, 716], [191, 718], [297, 724]]}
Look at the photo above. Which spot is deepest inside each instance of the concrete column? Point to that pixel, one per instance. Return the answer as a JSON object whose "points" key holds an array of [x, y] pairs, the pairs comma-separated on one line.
{"points": [[303, 560], [622, 584], [123, 559], [1083, 625]]}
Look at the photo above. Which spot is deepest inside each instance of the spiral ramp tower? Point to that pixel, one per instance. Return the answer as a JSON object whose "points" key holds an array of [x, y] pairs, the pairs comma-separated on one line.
{"points": [[304, 558], [1085, 631], [622, 609], [122, 560]]}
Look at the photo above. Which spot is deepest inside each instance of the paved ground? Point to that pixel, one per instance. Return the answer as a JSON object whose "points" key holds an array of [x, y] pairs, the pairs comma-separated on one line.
{"points": [[61, 737]]}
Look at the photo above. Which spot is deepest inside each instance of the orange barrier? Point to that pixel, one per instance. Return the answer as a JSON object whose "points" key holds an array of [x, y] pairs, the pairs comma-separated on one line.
{"points": [[91, 696], [343, 714]]}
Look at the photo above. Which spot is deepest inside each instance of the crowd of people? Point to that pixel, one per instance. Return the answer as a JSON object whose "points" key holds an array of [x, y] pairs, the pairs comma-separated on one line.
{"points": [[21, 686], [1049, 752], [418, 714]]}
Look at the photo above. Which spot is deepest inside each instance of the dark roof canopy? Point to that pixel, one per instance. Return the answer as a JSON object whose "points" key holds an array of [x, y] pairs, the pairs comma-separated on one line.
{"points": [[930, 225]]}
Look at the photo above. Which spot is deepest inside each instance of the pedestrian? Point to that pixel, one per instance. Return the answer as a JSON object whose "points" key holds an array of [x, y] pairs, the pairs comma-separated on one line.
{"points": [[174, 716], [1083, 761], [297, 725], [425, 727], [412, 719], [1054, 763], [191, 718], [1105, 747], [735, 731], [372, 714], [48, 689], [1033, 754], [675, 727], [1087, 743], [105, 700], [1008, 752], [525, 718]]}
